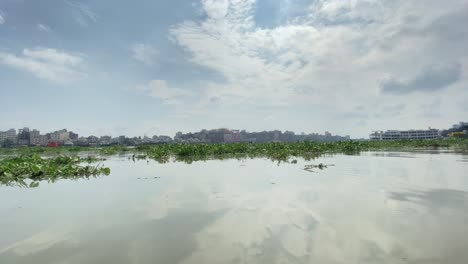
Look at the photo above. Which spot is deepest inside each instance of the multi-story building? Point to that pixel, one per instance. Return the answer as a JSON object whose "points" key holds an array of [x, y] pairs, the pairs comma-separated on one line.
{"points": [[3, 136], [21, 130], [34, 137], [93, 140], [405, 134], [11, 134], [232, 136], [60, 136], [23, 137], [41, 140], [73, 136], [64, 136], [105, 140]]}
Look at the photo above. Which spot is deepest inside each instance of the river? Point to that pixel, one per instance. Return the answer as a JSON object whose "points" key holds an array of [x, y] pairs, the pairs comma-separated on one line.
{"points": [[376, 207]]}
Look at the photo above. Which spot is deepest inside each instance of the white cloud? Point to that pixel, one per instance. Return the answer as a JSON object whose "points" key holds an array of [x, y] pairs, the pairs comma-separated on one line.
{"points": [[44, 63], [2, 18], [335, 57], [161, 90], [42, 27], [82, 13], [215, 8], [143, 53]]}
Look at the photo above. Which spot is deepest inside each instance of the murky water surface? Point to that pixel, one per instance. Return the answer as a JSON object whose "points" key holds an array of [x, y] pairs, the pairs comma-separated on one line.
{"points": [[384, 207]]}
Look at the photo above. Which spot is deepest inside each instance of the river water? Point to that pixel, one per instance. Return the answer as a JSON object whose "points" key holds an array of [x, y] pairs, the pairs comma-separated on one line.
{"points": [[377, 207]]}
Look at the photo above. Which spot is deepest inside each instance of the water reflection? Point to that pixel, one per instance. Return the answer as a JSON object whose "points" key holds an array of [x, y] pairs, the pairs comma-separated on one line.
{"points": [[434, 197], [168, 240], [365, 209]]}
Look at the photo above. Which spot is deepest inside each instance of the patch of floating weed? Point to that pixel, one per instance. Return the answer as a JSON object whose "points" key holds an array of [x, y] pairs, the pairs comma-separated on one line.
{"points": [[29, 170]]}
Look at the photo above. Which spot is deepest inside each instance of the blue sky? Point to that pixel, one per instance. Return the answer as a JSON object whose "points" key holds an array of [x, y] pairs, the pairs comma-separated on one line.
{"points": [[157, 67]]}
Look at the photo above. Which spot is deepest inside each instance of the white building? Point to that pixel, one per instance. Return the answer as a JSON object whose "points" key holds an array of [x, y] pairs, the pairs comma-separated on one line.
{"points": [[2, 136], [34, 137], [40, 140], [406, 134], [60, 136], [232, 136], [9, 134]]}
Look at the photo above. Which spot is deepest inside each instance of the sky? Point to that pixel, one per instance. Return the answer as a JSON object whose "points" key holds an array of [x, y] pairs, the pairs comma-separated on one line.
{"points": [[115, 67]]}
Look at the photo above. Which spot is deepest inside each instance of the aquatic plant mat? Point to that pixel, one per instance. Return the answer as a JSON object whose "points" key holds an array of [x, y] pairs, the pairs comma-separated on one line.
{"points": [[27, 166], [29, 170]]}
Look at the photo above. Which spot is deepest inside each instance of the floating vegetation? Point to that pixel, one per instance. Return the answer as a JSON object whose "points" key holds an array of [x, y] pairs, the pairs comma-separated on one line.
{"points": [[27, 166], [29, 170], [284, 151], [112, 150], [276, 151], [320, 166]]}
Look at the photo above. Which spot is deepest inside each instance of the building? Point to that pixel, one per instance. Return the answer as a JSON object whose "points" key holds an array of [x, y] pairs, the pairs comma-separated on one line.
{"points": [[82, 141], [93, 140], [23, 137], [73, 136], [21, 130], [8, 138], [41, 141], [10, 135], [105, 140], [60, 136], [122, 140], [35, 137], [232, 136], [405, 134]]}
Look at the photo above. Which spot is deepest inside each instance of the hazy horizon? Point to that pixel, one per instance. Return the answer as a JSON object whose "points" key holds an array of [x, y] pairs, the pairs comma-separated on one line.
{"points": [[158, 67]]}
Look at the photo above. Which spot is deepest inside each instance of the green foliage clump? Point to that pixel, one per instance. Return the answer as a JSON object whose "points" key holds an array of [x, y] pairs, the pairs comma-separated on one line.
{"points": [[29, 170], [284, 151]]}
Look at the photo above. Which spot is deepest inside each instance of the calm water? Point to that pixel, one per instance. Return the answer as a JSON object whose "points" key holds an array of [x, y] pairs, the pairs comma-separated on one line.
{"points": [[373, 208]]}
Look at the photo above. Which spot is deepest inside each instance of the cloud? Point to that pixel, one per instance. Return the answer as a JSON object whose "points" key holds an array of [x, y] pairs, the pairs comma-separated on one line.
{"points": [[161, 90], [82, 13], [42, 27], [340, 48], [430, 79], [143, 53], [432, 109], [215, 8], [2, 17], [339, 11], [394, 109], [45, 63]]}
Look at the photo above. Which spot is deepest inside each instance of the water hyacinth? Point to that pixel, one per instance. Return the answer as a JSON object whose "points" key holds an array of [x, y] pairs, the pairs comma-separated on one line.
{"points": [[29, 170], [284, 151], [274, 150], [25, 164]]}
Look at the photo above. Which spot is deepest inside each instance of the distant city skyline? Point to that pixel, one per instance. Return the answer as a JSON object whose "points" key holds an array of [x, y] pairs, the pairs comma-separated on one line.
{"points": [[158, 67], [31, 129], [149, 133], [64, 137], [33, 137]]}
